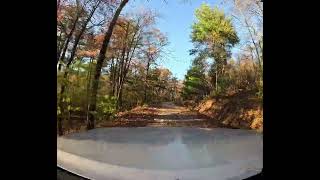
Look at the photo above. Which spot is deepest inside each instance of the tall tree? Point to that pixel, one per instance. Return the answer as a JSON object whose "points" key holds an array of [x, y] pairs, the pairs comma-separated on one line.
{"points": [[100, 60], [248, 15], [78, 11], [214, 34], [88, 8], [154, 43], [125, 41]]}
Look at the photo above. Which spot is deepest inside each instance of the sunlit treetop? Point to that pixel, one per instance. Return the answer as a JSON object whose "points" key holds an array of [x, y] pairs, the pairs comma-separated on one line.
{"points": [[213, 27]]}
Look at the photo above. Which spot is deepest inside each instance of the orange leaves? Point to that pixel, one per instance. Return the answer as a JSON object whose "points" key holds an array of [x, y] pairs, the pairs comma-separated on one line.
{"points": [[59, 17], [164, 73], [154, 42], [62, 12], [99, 39], [88, 53], [122, 21], [93, 44], [152, 50]]}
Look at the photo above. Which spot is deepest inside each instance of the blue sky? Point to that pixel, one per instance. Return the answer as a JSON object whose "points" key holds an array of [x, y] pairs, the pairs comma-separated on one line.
{"points": [[176, 18]]}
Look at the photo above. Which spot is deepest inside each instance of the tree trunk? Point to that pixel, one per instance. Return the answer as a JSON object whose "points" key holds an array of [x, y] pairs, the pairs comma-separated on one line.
{"points": [[88, 86], [101, 57], [59, 45], [122, 67], [216, 78], [68, 39], [69, 36], [63, 88], [126, 65], [120, 74], [59, 67], [74, 49], [114, 78], [256, 47], [146, 81], [120, 98], [60, 129], [61, 105], [83, 28], [111, 76], [58, 5]]}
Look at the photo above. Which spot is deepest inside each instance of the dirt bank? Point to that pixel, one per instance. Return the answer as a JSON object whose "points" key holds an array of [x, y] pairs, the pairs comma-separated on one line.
{"points": [[241, 110]]}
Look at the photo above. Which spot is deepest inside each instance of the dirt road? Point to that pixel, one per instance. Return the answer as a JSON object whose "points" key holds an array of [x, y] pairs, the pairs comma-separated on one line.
{"points": [[164, 114]]}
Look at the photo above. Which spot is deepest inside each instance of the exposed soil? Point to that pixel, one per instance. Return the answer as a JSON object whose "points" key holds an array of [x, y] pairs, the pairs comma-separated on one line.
{"points": [[242, 110]]}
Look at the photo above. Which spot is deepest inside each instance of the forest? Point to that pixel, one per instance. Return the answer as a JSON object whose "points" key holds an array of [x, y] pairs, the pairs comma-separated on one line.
{"points": [[108, 60]]}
